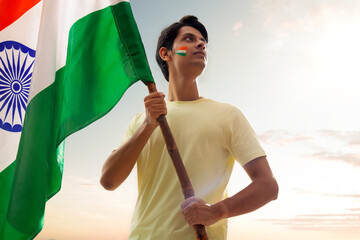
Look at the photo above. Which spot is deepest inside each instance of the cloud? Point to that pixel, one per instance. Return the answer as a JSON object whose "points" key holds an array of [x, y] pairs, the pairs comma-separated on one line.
{"points": [[320, 222], [354, 196], [75, 180], [351, 138], [346, 219], [350, 158], [237, 27], [324, 145], [282, 137]]}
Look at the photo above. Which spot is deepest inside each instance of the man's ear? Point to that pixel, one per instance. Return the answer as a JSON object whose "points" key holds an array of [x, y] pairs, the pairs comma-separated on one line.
{"points": [[165, 54]]}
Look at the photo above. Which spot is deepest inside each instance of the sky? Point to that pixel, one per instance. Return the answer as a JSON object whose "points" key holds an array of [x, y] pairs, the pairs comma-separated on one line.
{"points": [[292, 68]]}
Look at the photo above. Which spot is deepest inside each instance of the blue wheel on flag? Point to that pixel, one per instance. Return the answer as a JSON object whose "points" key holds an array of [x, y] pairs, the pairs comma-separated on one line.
{"points": [[16, 65]]}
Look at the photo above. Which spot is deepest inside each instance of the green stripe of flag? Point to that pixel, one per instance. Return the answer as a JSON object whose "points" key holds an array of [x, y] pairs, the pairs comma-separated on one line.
{"points": [[181, 53], [100, 66]]}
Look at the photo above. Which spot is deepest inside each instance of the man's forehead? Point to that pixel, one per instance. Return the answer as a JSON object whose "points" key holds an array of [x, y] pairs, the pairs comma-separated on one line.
{"points": [[188, 30]]}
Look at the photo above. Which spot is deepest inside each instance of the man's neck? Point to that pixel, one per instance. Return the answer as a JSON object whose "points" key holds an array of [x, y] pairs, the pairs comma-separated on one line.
{"points": [[183, 89]]}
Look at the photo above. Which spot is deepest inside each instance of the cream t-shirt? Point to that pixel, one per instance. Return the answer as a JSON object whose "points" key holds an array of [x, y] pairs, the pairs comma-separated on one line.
{"points": [[210, 135]]}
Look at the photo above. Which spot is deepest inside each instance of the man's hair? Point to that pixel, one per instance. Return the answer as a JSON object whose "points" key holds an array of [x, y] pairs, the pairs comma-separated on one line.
{"points": [[168, 35]]}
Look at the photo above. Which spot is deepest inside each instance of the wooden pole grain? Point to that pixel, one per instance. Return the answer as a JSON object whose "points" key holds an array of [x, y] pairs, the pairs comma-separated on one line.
{"points": [[184, 179]]}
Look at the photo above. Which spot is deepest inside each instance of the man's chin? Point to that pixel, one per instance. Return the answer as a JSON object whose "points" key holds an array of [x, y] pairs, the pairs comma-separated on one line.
{"points": [[200, 64], [196, 67]]}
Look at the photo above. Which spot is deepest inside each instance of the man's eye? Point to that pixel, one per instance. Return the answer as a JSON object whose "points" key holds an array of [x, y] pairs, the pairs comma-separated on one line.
{"points": [[188, 38]]}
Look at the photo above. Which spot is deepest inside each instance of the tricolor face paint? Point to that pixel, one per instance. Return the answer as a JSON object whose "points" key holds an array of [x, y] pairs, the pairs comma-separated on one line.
{"points": [[181, 51]]}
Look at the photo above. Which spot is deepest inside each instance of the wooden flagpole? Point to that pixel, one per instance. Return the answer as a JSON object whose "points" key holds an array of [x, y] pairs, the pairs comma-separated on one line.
{"points": [[184, 179]]}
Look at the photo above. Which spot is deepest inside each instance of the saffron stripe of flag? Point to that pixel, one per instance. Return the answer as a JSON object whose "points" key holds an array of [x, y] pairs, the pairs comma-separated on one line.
{"points": [[182, 51], [103, 56], [11, 10]]}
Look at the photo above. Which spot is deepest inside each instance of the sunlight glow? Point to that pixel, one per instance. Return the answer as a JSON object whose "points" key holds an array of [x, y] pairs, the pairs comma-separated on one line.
{"points": [[337, 52]]}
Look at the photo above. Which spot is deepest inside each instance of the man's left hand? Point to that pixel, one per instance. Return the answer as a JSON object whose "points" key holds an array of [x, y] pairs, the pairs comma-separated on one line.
{"points": [[196, 211]]}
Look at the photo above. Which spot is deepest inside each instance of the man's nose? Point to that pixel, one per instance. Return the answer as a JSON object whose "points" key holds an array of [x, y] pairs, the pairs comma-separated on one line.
{"points": [[201, 45]]}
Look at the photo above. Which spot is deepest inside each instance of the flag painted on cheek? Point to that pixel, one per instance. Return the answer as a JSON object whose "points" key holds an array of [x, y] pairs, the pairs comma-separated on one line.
{"points": [[181, 51]]}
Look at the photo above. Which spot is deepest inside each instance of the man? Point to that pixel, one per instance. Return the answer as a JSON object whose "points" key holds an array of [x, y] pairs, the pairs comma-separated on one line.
{"points": [[210, 136]]}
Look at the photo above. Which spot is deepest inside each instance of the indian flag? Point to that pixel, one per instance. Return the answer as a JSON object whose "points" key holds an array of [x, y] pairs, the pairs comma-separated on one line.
{"points": [[88, 53], [181, 51], [17, 53]]}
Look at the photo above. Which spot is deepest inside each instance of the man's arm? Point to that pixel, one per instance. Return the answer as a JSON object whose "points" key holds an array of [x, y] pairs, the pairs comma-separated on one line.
{"points": [[262, 190], [119, 164]]}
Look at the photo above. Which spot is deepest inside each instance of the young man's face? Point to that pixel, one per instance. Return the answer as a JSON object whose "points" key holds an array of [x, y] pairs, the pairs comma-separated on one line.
{"points": [[189, 50]]}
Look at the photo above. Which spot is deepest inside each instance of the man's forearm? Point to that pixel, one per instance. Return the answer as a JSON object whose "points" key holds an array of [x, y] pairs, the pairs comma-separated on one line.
{"points": [[120, 162], [262, 190], [254, 196]]}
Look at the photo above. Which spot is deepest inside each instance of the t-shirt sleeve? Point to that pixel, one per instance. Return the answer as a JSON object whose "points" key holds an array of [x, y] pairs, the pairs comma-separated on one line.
{"points": [[133, 126], [241, 138]]}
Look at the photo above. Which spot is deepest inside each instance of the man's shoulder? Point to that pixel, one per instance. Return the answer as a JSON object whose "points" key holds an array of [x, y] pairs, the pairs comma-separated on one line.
{"points": [[227, 107], [137, 119]]}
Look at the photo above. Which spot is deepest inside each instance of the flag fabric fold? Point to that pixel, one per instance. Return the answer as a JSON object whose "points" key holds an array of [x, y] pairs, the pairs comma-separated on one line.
{"points": [[88, 54]]}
